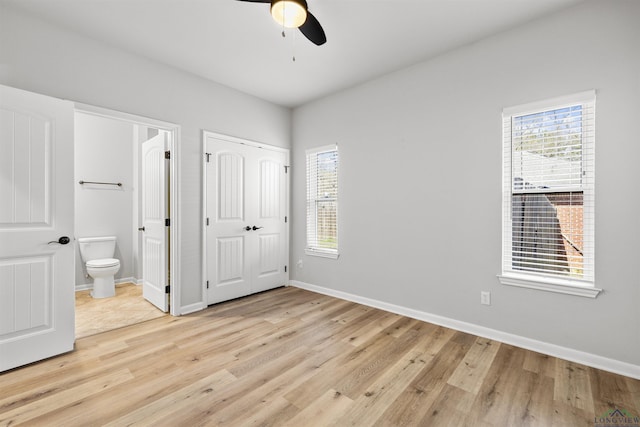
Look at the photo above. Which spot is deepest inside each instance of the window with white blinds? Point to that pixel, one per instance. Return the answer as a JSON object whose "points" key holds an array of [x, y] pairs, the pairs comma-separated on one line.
{"points": [[322, 201], [548, 194]]}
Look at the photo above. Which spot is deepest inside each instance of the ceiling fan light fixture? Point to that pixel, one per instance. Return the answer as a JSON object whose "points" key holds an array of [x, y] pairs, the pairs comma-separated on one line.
{"points": [[289, 13]]}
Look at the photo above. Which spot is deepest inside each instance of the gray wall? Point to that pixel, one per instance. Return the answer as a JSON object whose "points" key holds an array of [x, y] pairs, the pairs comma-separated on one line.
{"points": [[420, 179], [42, 58], [104, 152], [420, 205]]}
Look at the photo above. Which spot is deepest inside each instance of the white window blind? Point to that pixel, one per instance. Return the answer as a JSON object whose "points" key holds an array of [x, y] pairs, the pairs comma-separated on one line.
{"points": [[322, 201], [548, 190]]}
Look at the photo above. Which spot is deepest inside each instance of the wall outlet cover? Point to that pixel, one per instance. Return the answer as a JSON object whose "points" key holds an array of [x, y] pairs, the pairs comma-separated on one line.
{"points": [[485, 297]]}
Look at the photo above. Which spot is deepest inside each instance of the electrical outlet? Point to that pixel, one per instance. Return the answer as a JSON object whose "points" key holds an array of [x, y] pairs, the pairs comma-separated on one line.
{"points": [[299, 264], [485, 297]]}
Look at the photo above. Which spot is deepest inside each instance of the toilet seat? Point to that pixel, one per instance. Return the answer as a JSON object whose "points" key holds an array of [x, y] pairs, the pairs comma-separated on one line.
{"points": [[103, 263]]}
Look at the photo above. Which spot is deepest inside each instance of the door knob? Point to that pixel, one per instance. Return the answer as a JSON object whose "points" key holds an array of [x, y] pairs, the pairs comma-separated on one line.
{"points": [[62, 240], [256, 228], [140, 228], [248, 228]]}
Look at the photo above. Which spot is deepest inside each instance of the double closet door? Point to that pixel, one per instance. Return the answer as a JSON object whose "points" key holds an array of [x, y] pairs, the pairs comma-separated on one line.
{"points": [[246, 238]]}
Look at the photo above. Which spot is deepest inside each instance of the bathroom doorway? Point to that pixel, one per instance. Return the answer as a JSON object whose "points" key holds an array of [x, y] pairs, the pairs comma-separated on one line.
{"points": [[122, 197]]}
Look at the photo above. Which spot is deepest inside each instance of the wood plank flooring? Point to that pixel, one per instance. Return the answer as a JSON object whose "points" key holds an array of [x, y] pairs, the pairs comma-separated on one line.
{"points": [[290, 357]]}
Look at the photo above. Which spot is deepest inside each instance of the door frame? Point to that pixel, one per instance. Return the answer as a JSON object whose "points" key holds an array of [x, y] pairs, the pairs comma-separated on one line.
{"points": [[175, 308], [255, 144]]}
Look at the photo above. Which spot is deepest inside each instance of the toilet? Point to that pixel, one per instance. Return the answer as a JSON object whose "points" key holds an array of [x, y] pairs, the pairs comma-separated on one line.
{"points": [[97, 254]]}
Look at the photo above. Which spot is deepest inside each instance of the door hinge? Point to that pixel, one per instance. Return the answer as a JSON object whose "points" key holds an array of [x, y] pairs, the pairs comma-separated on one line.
{"points": [[167, 289], [167, 222], [207, 284], [167, 154], [285, 268], [208, 156], [285, 219], [207, 221], [286, 169]]}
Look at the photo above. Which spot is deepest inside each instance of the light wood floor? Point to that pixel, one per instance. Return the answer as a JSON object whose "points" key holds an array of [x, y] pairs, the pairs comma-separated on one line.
{"points": [[293, 357], [95, 315]]}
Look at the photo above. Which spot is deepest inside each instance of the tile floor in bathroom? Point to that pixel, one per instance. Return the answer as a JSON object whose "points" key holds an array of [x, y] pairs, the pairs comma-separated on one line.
{"points": [[104, 314]]}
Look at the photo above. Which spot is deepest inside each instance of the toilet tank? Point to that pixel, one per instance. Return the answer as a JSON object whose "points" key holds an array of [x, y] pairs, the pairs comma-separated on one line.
{"points": [[97, 247]]}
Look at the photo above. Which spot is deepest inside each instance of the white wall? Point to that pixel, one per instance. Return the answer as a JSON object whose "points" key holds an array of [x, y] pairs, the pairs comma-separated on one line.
{"points": [[43, 58], [420, 180], [104, 152]]}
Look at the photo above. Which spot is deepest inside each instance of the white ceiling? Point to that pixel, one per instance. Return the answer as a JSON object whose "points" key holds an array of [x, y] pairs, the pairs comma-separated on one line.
{"points": [[239, 45]]}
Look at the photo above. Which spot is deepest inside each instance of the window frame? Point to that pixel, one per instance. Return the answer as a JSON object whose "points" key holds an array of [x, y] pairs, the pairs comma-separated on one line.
{"points": [[311, 214], [548, 281]]}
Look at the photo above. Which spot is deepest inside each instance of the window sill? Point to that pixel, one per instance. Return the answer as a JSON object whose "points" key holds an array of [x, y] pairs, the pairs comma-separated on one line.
{"points": [[550, 285], [322, 254]]}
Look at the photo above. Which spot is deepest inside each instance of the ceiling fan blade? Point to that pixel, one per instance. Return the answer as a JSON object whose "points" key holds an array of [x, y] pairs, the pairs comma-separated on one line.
{"points": [[313, 30]]}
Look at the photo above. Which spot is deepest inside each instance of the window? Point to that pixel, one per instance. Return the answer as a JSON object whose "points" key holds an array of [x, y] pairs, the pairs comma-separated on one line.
{"points": [[548, 195], [322, 202]]}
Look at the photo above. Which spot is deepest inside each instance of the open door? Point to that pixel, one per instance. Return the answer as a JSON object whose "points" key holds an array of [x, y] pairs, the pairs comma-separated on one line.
{"points": [[37, 313], [154, 227]]}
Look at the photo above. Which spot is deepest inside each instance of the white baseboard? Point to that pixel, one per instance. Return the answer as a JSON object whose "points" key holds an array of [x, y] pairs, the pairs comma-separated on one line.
{"points": [[126, 280], [191, 308], [595, 361], [86, 286]]}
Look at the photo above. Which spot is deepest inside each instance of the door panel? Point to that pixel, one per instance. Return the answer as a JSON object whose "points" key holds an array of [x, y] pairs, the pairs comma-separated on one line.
{"points": [[269, 254], [271, 251], [230, 259], [230, 187], [154, 236], [37, 316], [226, 237], [25, 294], [270, 172], [245, 187], [24, 189]]}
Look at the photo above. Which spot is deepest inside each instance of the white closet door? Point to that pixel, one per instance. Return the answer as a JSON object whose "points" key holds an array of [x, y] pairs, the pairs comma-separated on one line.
{"points": [[154, 213], [271, 252], [37, 317], [246, 239]]}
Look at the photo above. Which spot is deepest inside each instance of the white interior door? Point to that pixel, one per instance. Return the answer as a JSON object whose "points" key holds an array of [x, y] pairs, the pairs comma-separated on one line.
{"points": [[271, 250], [154, 229], [246, 232], [37, 314]]}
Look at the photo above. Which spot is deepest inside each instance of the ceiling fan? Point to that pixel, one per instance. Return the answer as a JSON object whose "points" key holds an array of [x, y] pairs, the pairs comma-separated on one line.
{"points": [[295, 14]]}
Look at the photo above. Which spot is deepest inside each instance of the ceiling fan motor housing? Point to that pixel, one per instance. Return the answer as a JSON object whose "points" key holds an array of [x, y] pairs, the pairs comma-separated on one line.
{"points": [[289, 13], [295, 14]]}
